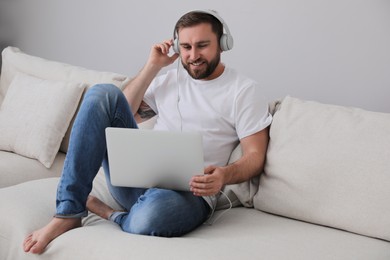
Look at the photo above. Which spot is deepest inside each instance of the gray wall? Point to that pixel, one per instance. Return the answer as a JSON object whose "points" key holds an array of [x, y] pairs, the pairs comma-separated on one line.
{"points": [[332, 51]]}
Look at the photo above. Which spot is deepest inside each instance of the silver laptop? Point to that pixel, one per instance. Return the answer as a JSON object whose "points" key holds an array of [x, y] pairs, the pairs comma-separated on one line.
{"points": [[151, 158]]}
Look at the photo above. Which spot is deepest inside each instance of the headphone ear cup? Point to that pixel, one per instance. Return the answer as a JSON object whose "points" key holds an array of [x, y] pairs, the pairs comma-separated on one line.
{"points": [[226, 42], [175, 46]]}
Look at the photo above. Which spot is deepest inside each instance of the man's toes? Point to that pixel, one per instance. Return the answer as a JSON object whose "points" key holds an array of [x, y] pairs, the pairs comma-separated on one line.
{"points": [[38, 247], [28, 243]]}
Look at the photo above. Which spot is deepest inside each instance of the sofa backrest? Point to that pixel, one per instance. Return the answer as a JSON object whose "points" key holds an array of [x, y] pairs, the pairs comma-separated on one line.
{"points": [[328, 165]]}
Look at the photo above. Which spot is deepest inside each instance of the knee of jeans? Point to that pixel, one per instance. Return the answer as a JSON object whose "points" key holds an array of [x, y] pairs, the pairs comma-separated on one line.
{"points": [[102, 94], [103, 89], [145, 220], [152, 216]]}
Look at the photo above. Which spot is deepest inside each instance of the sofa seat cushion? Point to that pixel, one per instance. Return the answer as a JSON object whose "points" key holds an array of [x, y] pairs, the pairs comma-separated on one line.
{"points": [[15, 169], [241, 233]]}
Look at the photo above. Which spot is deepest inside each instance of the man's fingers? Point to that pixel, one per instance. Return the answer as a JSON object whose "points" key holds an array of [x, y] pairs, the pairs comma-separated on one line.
{"points": [[203, 186], [204, 192], [164, 46], [209, 169]]}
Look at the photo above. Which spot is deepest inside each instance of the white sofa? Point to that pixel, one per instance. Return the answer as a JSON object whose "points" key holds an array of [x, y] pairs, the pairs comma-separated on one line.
{"points": [[324, 194]]}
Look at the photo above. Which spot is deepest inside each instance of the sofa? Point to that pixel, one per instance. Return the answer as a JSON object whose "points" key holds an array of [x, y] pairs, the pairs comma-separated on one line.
{"points": [[324, 192]]}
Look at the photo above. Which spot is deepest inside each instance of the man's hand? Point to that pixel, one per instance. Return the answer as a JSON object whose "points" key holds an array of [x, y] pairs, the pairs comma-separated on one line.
{"points": [[248, 166], [159, 54], [208, 184], [158, 58]]}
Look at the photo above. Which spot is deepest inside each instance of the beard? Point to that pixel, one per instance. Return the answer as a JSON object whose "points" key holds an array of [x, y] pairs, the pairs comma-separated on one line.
{"points": [[205, 71]]}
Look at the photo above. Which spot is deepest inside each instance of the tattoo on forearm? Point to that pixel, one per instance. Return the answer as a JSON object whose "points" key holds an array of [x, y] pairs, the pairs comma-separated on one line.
{"points": [[145, 112]]}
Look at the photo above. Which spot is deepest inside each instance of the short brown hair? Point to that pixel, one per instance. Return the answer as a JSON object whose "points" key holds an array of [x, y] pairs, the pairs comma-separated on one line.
{"points": [[197, 17]]}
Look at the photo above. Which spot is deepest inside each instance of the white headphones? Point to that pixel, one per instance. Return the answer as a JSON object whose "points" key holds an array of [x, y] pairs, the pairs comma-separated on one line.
{"points": [[225, 42]]}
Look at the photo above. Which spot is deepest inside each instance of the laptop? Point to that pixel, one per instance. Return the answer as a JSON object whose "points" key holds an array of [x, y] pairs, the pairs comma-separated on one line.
{"points": [[153, 158]]}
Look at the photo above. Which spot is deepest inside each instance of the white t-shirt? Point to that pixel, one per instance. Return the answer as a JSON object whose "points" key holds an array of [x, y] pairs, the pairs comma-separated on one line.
{"points": [[224, 110]]}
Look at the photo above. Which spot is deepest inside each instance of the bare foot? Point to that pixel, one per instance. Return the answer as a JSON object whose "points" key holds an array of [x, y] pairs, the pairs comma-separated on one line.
{"points": [[99, 207], [37, 241]]}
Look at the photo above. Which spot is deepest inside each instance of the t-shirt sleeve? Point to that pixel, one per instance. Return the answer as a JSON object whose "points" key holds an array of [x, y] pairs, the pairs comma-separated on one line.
{"points": [[251, 111]]}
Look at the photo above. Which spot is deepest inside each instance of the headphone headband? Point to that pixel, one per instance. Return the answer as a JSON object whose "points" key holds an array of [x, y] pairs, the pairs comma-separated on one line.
{"points": [[226, 41]]}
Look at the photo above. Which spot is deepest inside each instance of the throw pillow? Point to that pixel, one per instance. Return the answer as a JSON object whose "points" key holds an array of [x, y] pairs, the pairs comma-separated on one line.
{"points": [[14, 61], [35, 115], [328, 165]]}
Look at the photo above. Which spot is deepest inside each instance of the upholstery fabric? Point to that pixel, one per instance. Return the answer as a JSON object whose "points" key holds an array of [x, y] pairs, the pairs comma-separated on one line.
{"points": [[241, 233], [36, 114], [329, 165], [14, 60], [15, 169]]}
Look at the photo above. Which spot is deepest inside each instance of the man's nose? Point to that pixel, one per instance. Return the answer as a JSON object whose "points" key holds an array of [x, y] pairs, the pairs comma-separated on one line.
{"points": [[194, 54]]}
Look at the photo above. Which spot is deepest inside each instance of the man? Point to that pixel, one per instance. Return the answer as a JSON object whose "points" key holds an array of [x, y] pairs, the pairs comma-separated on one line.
{"points": [[208, 97]]}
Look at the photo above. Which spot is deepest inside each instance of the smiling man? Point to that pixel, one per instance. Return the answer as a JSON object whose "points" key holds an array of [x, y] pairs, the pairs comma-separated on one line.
{"points": [[224, 106], [201, 57]]}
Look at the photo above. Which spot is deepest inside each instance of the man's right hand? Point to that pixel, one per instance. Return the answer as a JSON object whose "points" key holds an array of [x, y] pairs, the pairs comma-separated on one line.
{"points": [[159, 54], [158, 58]]}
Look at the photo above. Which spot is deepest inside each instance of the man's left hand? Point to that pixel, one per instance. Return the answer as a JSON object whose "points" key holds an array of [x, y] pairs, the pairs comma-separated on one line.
{"points": [[208, 184]]}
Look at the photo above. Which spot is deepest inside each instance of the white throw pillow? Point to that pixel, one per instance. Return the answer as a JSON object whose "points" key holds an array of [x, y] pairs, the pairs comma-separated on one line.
{"points": [[329, 165], [35, 115], [14, 61]]}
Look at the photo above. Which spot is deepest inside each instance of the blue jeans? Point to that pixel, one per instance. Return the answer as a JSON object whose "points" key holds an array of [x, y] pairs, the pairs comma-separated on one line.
{"points": [[152, 211]]}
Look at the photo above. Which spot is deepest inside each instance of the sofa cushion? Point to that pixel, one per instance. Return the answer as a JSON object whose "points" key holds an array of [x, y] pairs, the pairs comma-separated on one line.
{"points": [[15, 169], [35, 115], [14, 61], [240, 194], [329, 165], [240, 234]]}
